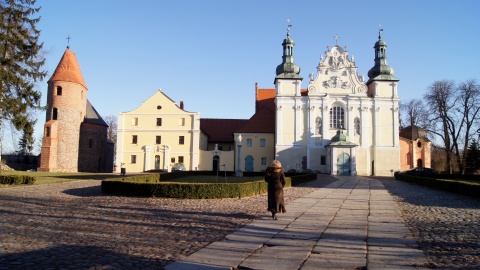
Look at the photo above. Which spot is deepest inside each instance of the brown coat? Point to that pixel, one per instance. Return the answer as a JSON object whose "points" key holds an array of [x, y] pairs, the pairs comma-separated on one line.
{"points": [[275, 178]]}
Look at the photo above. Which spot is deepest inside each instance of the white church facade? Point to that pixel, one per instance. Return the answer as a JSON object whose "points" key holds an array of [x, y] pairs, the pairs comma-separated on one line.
{"points": [[341, 125]]}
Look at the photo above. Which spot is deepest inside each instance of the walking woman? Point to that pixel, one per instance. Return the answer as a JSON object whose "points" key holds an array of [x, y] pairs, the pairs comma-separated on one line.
{"points": [[275, 178]]}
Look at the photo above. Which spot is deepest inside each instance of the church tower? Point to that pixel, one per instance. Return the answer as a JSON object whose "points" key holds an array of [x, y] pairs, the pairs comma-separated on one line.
{"points": [[66, 109], [382, 88], [290, 122]]}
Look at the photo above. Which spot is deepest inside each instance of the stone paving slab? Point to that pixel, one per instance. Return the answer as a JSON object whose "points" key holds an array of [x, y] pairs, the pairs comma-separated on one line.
{"points": [[326, 229]]}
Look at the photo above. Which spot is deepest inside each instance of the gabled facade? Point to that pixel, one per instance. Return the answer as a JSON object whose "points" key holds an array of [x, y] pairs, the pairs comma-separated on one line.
{"points": [[157, 136]]}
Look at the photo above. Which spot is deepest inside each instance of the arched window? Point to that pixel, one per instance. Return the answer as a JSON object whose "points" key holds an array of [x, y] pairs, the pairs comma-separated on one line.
{"points": [[337, 117]]}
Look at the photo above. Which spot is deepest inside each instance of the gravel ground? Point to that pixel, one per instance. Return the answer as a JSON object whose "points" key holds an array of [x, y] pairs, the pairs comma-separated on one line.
{"points": [[74, 226], [445, 225]]}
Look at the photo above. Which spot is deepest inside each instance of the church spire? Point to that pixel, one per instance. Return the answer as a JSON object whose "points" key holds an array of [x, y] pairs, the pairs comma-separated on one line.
{"points": [[288, 69], [381, 71]]}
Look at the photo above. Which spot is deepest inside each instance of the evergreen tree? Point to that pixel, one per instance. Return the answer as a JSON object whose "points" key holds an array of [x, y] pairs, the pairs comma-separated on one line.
{"points": [[21, 62], [27, 140], [472, 162]]}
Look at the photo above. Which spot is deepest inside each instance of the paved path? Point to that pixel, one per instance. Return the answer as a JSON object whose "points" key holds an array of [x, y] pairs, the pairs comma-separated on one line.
{"points": [[353, 223]]}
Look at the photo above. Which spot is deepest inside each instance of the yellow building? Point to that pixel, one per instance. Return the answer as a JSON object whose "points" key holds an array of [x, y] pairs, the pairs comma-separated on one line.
{"points": [[158, 135]]}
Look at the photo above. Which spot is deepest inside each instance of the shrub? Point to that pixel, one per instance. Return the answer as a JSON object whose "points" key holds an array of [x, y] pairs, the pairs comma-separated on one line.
{"points": [[17, 179], [465, 187], [154, 186]]}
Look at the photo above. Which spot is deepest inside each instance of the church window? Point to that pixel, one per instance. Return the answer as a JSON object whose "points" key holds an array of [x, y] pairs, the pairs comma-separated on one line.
{"points": [[249, 142], [133, 159], [158, 139], [181, 122], [135, 121], [419, 144], [181, 140], [159, 107], [264, 161], [47, 132], [337, 117], [134, 139], [262, 142], [59, 90], [323, 160], [54, 114], [180, 159], [159, 122], [90, 143]]}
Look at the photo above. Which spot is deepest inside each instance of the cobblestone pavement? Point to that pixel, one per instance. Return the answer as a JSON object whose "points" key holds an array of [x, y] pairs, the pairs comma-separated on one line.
{"points": [[445, 225], [74, 226]]}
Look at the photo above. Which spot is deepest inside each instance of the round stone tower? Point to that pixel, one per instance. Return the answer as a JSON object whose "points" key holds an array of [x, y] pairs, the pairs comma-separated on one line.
{"points": [[66, 110]]}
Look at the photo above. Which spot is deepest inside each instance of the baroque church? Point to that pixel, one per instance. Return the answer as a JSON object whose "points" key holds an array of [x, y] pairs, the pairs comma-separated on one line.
{"points": [[75, 135], [340, 124]]}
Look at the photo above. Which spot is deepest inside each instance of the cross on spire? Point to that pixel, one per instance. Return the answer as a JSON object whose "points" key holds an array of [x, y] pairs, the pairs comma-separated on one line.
{"points": [[68, 44], [288, 27], [336, 37], [380, 30]]}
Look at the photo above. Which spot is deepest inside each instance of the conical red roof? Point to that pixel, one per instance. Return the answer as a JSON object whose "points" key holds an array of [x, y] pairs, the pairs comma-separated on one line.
{"points": [[68, 70]]}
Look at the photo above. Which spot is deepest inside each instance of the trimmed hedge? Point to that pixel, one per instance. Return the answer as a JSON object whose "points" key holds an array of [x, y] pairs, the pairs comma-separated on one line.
{"points": [[471, 189], [135, 186], [17, 179]]}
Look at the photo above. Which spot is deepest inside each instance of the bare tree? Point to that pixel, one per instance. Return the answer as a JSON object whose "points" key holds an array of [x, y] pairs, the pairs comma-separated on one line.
{"points": [[468, 107], [111, 121], [453, 115], [412, 112], [440, 98]]}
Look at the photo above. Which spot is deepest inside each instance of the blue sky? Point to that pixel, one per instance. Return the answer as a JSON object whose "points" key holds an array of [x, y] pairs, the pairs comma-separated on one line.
{"points": [[210, 54]]}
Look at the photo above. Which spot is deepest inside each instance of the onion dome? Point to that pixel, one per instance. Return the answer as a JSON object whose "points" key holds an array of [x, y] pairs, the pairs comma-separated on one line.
{"points": [[381, 71], [288, 69]]}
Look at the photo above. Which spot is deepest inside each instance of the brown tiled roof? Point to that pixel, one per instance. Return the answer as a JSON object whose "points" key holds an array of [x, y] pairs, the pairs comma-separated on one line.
{"points": [[220, 130], [68, 69], [265, 98], [263, 121]]}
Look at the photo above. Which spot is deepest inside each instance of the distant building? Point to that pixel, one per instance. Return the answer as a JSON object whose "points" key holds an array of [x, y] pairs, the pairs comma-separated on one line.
{"points": [[75, 135], [415, 148]]}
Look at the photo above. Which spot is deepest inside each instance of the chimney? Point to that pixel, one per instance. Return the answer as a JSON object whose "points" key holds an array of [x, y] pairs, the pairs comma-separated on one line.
{"points": [[181, 105]]}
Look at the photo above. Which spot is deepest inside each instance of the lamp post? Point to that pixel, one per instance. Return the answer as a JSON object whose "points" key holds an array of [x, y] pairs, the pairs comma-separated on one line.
{"points": [[239, 172]]}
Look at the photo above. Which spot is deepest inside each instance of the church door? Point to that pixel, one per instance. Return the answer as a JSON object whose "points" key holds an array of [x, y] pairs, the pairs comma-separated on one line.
{"points": [[216, 162], [249, 164], [157, 162], [343, 164]]}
